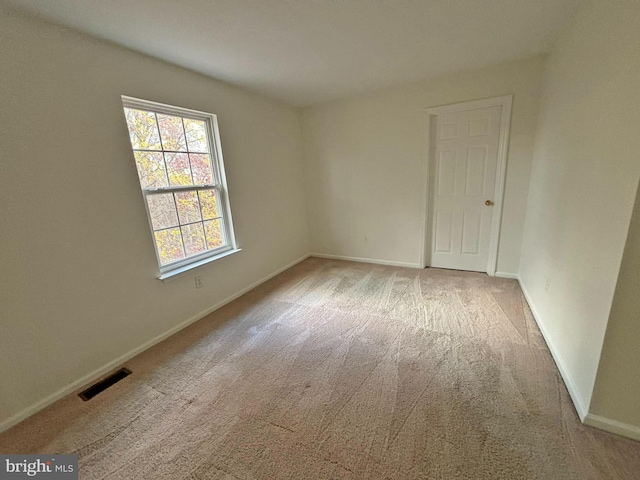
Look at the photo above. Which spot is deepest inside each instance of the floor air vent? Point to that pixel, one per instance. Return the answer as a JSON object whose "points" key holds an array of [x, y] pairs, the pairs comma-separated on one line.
{"points": [[102, 385]]}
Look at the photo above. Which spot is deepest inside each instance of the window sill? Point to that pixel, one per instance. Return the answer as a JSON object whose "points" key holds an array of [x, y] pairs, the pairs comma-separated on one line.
{"points": [[166, 276]]}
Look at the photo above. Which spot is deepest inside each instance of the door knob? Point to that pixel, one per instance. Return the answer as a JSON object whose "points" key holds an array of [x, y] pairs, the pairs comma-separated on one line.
{"points": [[488, 203]]}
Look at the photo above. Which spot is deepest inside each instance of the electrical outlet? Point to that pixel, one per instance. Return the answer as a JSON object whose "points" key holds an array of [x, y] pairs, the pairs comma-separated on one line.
{"points": [[366, 240], [547, 284], [199, 283]]}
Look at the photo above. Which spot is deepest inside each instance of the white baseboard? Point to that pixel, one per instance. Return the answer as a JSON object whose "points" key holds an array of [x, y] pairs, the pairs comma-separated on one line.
{"points": [[596, 421], [579, 404], [365, 260], [613, 426], [513, 276], [90, 377]]}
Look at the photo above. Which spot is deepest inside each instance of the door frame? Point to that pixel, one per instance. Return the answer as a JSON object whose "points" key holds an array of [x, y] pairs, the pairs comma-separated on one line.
{"points": [[505, 102]]}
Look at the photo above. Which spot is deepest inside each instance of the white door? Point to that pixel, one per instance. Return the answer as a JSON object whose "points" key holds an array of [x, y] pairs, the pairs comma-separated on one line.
{"points": [[464, 177]]}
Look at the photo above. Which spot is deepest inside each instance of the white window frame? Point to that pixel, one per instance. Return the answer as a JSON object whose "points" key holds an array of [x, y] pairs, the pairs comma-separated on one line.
{"points": [[219, 184]]}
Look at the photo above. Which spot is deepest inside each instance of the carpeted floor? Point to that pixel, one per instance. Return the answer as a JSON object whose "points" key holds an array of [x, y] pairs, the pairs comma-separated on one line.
{"points": [[340, 370]]}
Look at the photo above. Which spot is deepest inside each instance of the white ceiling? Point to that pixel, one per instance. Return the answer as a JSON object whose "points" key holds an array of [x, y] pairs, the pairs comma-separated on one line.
{"points": [[309, 51]]}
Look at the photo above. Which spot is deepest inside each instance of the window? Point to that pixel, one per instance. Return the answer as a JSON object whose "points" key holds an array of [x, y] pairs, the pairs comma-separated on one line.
{"points": [[179, 161]]}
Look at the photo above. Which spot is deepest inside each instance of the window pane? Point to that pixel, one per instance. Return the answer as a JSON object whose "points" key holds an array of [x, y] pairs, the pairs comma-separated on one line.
{"points": [[172, 133], [143, 129], [201, 168], [178, 168], [169, 243], [182, 178], [193, 239], [162, 210], [188, 207], [213, 233], [196, 135], [151, 169], [209, 204]]}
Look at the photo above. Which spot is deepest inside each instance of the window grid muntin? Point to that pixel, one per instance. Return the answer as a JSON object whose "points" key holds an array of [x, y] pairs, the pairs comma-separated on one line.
{"points": [[187, 224], [223, 231], [218, 183], [199, 256], [186, 143]]}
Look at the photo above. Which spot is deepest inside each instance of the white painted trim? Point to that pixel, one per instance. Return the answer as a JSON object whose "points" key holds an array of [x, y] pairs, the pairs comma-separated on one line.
{"points": [[365, 260], [218, 183], [596, 421], [505, 102], [590, 419], [612, 426], [425, 211], [513, 276], [166, 277], [501, 172], [90, 377], [470, 105], [578, 402]]}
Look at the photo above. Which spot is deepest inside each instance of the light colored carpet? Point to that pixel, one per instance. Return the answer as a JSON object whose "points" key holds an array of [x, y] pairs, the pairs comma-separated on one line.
{"points": [[340, 370]]}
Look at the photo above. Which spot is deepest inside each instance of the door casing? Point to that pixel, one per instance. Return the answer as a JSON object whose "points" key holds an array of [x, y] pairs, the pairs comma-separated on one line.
{"points": [[432, 113]]}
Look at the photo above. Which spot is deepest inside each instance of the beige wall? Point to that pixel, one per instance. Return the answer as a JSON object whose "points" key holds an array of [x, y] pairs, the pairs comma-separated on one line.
{"points": [[617, 391], [364, 161], [584, 178], [78, 271]]}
